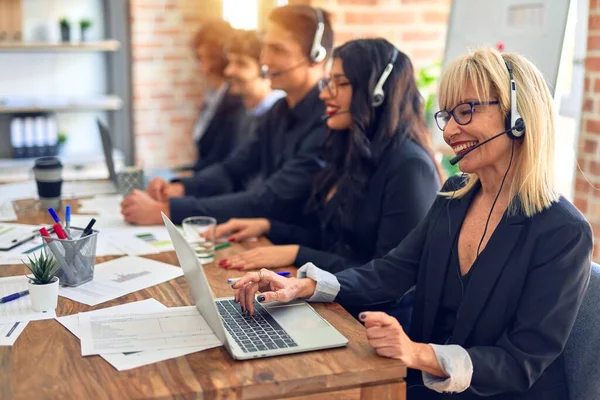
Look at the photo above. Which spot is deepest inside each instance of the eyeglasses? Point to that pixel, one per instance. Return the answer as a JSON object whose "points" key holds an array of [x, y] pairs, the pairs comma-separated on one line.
{"points": [[331, 85], [462, 113]]}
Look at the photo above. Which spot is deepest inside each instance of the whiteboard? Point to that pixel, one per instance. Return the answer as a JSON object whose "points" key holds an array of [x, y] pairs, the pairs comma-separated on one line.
{"points": [[533, 28]]}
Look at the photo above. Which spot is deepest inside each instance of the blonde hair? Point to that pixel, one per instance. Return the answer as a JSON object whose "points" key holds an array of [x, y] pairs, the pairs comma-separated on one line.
{"points": [[486, 71]]}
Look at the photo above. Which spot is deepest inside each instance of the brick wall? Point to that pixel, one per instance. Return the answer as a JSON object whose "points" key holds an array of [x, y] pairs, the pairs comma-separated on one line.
{"points": [[587, 197], [167, 86], [417, 27]]}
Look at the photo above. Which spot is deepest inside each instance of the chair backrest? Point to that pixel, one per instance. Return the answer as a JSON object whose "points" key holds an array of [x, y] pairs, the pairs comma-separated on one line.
{"points": [[582, 352]]}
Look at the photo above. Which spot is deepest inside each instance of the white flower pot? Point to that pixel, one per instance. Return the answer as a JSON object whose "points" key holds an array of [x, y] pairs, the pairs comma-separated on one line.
{"points": [[44, 297]]}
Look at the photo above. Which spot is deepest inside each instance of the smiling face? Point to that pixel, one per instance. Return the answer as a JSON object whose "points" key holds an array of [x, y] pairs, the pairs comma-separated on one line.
{"points": [[487, 121], [283, 56], [337, 96], [242, 71]]}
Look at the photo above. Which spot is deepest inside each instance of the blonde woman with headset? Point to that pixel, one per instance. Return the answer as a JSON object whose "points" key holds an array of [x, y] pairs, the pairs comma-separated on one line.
{"points": [[500, 263]]}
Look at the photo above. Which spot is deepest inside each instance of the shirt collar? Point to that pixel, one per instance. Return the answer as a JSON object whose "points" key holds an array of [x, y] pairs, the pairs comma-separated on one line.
{"points": [[266, 104]]}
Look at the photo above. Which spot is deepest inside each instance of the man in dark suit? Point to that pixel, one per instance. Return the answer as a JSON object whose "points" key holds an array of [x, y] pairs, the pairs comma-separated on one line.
{"points": [[234, 123], [286, 150], [220, 124]]}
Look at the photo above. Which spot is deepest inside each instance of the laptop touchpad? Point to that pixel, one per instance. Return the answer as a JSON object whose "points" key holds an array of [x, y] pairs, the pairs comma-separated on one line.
{"points": [[297, 317]]}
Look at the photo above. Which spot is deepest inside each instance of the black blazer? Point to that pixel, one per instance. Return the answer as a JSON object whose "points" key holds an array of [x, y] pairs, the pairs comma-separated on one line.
{"points": [[226, 130], [397, 198], [521, 302], [284, 154]]}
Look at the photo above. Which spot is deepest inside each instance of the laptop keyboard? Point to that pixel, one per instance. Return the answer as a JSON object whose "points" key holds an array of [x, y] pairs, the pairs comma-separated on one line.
{"points": [[258, 332]]}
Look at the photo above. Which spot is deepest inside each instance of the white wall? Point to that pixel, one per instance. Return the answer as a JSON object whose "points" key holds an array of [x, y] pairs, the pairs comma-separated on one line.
{"points": [[60, 75]]}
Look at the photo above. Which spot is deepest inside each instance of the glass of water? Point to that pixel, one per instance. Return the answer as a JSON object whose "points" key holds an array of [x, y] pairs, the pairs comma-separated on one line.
{"points": [[200, 234]]}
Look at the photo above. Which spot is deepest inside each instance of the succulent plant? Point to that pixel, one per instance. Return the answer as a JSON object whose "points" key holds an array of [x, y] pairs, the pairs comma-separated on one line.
{"points": [[44, 268]]}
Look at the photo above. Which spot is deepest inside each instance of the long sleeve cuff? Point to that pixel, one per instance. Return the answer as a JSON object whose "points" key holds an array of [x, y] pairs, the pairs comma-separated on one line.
{"points": [[456, 363], [327, 287]]}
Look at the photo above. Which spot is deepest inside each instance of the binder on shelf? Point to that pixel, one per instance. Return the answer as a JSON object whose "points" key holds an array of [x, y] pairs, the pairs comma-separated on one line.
{"points": [[34, 135]]}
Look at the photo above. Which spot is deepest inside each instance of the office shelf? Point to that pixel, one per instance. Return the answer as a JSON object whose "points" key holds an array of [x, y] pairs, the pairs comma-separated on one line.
{"points": [[102, 103], [37, 47]]}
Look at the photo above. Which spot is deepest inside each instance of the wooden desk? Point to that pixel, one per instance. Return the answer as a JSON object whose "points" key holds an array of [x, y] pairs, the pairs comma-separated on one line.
{"points": [[46, 361]]}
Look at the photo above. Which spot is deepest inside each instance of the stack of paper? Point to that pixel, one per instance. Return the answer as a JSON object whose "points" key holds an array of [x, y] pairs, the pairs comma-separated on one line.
{"points": [[119, 277], [127, 360]]}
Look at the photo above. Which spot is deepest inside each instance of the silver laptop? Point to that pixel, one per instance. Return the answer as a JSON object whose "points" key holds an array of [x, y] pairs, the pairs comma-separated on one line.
{"points": [[274, 329], [107, 148]]}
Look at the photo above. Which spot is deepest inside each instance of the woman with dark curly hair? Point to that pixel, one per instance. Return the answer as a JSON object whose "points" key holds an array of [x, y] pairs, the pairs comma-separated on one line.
{"points": [[380, 178]]}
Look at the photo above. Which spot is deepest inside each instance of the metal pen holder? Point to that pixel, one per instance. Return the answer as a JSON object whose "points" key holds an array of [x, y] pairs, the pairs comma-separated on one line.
{"points": [[76, 256]]}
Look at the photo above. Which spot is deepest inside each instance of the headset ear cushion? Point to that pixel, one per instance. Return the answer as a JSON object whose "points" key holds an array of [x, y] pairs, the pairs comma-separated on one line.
{"points": [[377, 99]]}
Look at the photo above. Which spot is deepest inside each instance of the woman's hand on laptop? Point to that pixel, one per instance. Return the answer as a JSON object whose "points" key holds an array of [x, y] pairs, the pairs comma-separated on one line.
{"points": [[272, 288]]}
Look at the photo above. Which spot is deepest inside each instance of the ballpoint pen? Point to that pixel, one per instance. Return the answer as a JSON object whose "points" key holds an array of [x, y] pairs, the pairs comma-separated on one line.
{"points": [[56, 219], [13, 296], [68, 219], [231, 281]]}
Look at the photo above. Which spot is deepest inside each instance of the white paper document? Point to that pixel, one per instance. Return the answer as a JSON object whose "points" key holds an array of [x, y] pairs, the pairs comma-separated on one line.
{"points": [[101, 205], [19, 254], [119, 277], [20, 309], [7, 211], [126, 361], [9, 332], [169, 329]]}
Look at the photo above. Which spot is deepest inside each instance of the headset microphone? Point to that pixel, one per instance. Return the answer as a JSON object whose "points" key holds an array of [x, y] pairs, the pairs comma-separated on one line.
{"points": [[460, 157], [327, 116], [264, 70]]}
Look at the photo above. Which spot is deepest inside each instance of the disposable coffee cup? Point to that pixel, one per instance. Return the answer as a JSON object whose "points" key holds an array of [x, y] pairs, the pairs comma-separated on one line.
{"points": [[130, 178], [48, 177]]}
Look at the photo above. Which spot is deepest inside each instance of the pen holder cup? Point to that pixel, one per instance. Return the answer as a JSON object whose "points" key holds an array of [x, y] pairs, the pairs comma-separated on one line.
{"points": [[76, 257]]}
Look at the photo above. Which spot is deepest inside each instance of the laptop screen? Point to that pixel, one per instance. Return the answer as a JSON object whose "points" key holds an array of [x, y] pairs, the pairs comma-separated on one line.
{"points": [[197, 281]]}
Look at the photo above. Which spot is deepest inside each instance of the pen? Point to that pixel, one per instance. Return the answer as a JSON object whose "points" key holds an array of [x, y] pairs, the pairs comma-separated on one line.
{"points": [[68, 219], [14, 296], [88, 228], [222, 246], [56, 219], [234, 280], [59, 231]]}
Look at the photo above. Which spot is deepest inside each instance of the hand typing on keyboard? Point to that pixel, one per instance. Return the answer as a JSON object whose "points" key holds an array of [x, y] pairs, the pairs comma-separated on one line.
{"points": [[272, 287]]}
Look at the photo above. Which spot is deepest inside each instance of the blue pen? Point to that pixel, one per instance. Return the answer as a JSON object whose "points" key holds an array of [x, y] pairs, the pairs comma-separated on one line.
{"points": [[234, 280], [14, 296], [68, 219], [56, 219]]}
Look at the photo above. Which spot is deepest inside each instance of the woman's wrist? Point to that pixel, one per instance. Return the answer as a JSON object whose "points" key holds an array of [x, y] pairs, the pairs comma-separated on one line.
{"points": [[306, 288]]}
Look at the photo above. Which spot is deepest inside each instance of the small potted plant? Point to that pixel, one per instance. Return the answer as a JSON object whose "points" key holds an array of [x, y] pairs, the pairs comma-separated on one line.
{"points": [[61, 142], [65, 30], [85, 25], [43, 285]]}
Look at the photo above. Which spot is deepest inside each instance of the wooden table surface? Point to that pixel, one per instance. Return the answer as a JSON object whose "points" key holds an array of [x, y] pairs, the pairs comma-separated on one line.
{"points": [[46, 361]]}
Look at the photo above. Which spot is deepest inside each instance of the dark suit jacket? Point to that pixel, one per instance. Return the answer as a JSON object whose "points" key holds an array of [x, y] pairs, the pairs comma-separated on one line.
{"points": [[284, 154], [521, 302], [397, 198], [228, 128]]}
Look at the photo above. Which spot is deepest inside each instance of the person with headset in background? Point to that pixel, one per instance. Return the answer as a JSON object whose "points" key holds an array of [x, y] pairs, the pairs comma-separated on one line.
{"points": [[247, 79], [501, 262], [380, 177], [286, 150], [219, 127]]}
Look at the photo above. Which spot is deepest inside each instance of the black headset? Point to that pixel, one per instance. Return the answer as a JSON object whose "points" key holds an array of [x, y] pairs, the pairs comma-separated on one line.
{"points": [[378, 93], [317, 51], [514, 122]]}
